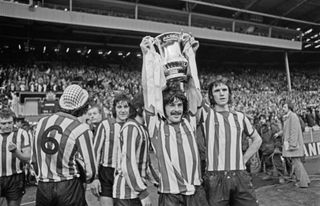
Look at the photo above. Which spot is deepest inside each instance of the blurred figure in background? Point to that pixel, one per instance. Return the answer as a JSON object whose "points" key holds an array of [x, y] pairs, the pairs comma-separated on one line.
{"points": [[293, 143], [270, 150]]}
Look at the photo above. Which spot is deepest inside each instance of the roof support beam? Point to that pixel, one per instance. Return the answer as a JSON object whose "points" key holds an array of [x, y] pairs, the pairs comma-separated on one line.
{"points": [[251, 12], [252, 3]]}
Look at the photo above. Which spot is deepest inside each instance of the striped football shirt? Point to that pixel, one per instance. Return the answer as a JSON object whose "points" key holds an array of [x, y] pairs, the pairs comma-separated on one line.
{"points": [[106, 143], [224, 132], [60, 141], [130, 181], [177, 153], [10, 164]]}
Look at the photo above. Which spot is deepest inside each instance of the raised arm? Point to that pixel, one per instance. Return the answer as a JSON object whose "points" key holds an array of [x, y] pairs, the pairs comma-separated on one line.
{"points": [[153, 80]]}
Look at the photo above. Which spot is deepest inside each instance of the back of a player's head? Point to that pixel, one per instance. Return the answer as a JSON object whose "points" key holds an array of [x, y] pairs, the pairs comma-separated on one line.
{"points": [[169, 96], [6, 113], [119, 98], [74, 100], [219, 81], [136, 106]]}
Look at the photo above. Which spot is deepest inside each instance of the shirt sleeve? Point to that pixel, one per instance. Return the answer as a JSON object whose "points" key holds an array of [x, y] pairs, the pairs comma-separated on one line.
{"points": [[132, 140], [99, 141], [247, 126], [152, 122], [25, 139], [294, 127], [84, 144]]}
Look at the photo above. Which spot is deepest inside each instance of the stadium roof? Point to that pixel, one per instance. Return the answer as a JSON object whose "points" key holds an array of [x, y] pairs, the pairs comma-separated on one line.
{"points": [[300, 15]]}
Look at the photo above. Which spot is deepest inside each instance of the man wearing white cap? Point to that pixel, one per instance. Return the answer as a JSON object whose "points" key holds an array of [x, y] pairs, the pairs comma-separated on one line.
{"points": [[60, 141]]}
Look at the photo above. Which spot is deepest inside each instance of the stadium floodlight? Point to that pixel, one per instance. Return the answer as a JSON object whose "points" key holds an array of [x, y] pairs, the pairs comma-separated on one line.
{"points": [[309, 31], [308, 45]]}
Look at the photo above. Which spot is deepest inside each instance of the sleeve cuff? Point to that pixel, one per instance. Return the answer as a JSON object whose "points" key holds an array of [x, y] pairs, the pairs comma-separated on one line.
{"points": [[252, 132], [143, 194]]}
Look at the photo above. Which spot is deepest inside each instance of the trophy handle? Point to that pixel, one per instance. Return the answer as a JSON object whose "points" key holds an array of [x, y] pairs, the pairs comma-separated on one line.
{"points": [[189, 41]]}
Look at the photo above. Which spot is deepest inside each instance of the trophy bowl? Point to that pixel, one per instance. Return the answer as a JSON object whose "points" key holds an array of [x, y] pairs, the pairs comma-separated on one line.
{"points": [[170, 46]]}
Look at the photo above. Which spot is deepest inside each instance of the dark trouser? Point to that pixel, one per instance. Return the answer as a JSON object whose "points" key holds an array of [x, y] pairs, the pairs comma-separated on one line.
{"points": [[300, 172], [274, 162], [127, 202], [229, 188], [106, 177], [197, 199], [12, 187], [66, 193]]}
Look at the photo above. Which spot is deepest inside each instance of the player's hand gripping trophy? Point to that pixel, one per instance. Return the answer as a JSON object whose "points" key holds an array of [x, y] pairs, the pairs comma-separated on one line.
{"points": [[169, 59]]}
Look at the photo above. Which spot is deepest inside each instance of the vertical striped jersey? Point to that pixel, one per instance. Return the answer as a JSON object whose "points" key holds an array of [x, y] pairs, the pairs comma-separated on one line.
{"points": [[224, 132], [9, 163], [106, 143], [130, 181], [177, 153], [59, 140]]}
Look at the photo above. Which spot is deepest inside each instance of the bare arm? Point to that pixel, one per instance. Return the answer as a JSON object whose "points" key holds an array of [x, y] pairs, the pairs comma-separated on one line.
{"points": [[254, 147], [23, 154]]}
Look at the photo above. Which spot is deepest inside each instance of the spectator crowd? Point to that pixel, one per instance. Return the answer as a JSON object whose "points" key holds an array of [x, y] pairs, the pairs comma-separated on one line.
{"points": [[256, 92]]}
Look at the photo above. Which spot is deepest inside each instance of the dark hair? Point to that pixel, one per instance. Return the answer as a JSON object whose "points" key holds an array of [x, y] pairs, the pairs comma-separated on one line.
{"points": [[77, 112], [6, 113], [136, 106], [119, 98], [215, 83], [169, 94], [287, 102]]}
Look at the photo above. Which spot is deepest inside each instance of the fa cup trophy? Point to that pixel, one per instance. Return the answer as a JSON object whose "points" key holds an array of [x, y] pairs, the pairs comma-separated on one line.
{"points": [[169, 58], [172, 48]]}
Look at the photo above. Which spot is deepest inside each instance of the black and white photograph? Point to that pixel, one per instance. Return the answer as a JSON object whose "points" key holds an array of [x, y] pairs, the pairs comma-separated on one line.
{"points": [[159, 103]]}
